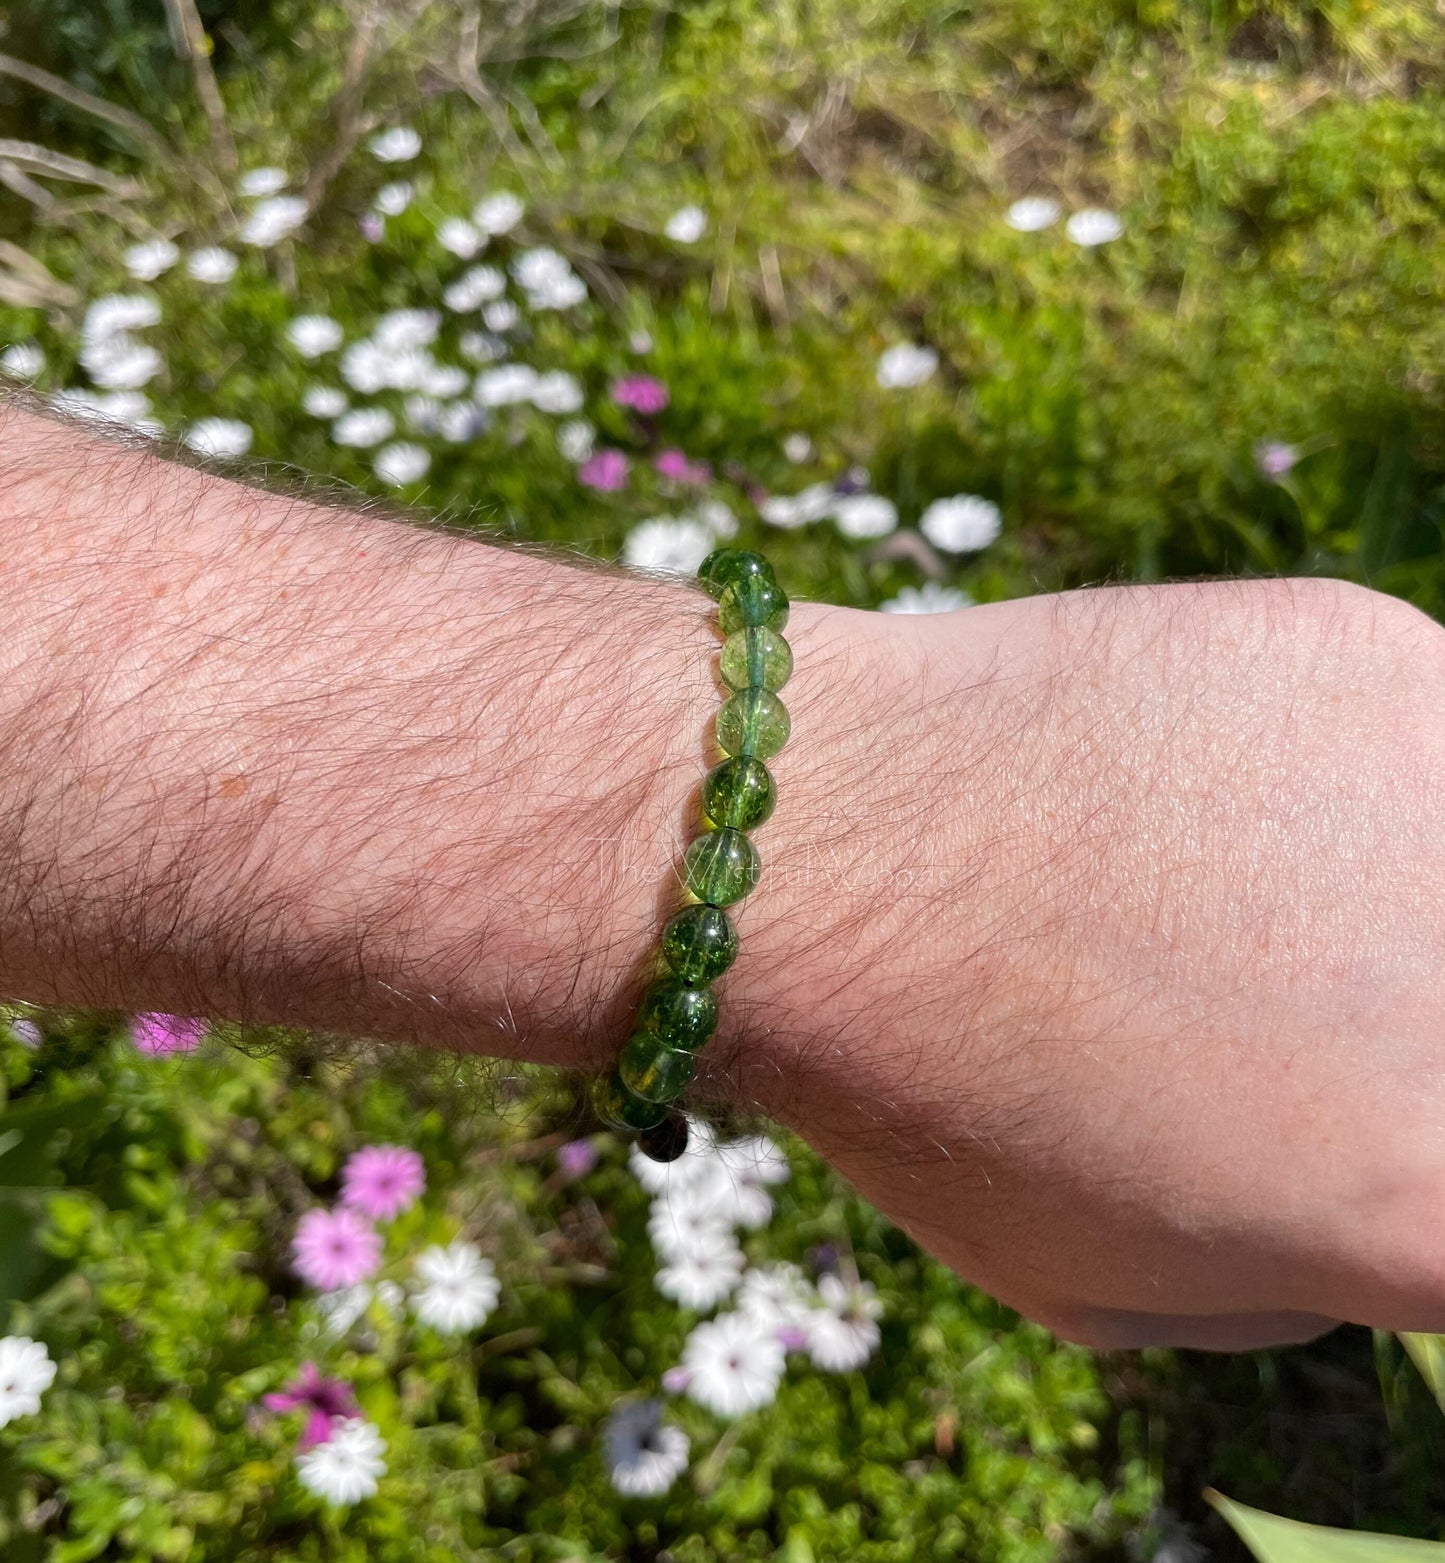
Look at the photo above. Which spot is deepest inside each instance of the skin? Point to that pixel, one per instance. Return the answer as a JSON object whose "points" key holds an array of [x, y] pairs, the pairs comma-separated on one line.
{"points": [[1100, 940]]}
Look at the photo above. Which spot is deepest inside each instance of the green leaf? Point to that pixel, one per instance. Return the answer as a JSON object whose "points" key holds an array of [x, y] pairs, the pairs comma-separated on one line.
{"points": [[1427, 1352], [1275, 1540], [27, 1135]]}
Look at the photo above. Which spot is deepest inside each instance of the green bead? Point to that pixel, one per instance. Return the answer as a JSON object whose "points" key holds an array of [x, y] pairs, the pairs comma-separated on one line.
{"points": [[723, 566], [653, 1070], [620, 1110], [700, 943], [677, 1014], [739, 793], [721, 867], [756, 601], [756, 659], [753, 722]]}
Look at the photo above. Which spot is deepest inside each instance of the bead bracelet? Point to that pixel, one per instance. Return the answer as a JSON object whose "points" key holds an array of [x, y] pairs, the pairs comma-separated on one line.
{"points": [[679, 1010]]}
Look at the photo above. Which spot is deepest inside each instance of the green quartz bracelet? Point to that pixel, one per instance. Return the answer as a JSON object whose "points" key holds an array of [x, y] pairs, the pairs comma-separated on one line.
{"points": [[679, 1010]]}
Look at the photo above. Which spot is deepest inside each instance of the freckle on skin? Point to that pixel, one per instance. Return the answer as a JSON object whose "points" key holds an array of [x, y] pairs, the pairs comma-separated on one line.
{"points": [[233, 786]]}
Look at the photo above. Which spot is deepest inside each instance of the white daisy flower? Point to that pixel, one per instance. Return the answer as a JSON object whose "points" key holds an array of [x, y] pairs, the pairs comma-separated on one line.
{"points": [[399, 329], [273, 219], [547, 278], [145, 262], [313, 335], [212, 264], [700, 1278], [505, 386], [348, 1466], [798, 448], [843, 1333], [363, 427], [444, 380], [458, 1288], [477, 286], [776, 1296], [756, 1159], [324, 401], [1094, 226], [566, 293], [422, 414], [685, 1219], [263, 181], [117, 313], [575, 441], [366, 367], [401, 463], [23, 361], [462, 421], [341, 1309], [398, 144], [498, 213], [393, 199], [1033, 214], [792, 510], [644, 1456], [119, 362], [906, 364], [677, 544], [865, 515], [501, 315], [928, 598], [557, 392], [221, 438], [728, 1197], [961, 525], [686, 225], [733, 1365], [699, 1160], [26, 1372], [717, 517], [460, 237], [129, 407], [480, 347]]}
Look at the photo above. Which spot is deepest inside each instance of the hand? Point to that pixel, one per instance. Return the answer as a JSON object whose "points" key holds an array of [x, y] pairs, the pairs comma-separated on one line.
{"points": [[1131, 1008]]}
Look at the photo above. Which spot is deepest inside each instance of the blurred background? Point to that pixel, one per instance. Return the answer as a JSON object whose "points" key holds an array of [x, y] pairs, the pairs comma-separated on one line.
{"points": [[938, 303]]}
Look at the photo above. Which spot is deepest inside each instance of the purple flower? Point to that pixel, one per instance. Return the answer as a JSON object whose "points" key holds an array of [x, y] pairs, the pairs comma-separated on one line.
{"points": [[793, 1337], [1275, 459], [675, 1380], [577, 1158], [373, 227], [607, 471], [643, 393], [323, 1400], [675, 465], [157, 1035], [382, 1180], [335, 1248]]}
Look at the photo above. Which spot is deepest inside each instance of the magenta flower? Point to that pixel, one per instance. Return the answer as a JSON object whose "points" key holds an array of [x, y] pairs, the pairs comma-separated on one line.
{"points": [[675, 465], [322, 1399], [382, 1180], [643, 393], [577, 1158], [157, 1035], [793, 1337], [607, 470], [335, 1248], [1275, 459]]}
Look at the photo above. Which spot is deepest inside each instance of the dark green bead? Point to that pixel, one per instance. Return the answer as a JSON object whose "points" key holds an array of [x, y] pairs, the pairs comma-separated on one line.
{"points": [[721, 867], [667, 1141], [723, 566], [620, 1110], [756, 601], [756, 659], [739, 793], [700, 943], [753, 722], [679, 1015], [654, 1070]]}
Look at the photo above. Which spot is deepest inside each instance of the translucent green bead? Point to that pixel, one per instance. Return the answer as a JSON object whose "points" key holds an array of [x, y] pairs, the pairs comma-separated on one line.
{"points": [[620, 1110], [677, 1014], [739, 793], [756, 659], [723, 566], [753, 722], [756, 601], [721, 867], [653, 1070], [700, 943]]}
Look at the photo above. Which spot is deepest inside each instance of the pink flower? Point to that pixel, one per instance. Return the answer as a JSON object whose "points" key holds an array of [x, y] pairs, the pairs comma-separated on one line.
{"points": [[675, 465], [323, 1400], [335, 1248], [157, 1035], [577, 1158], [643, 393], [607, 470], [382, 1180]]}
